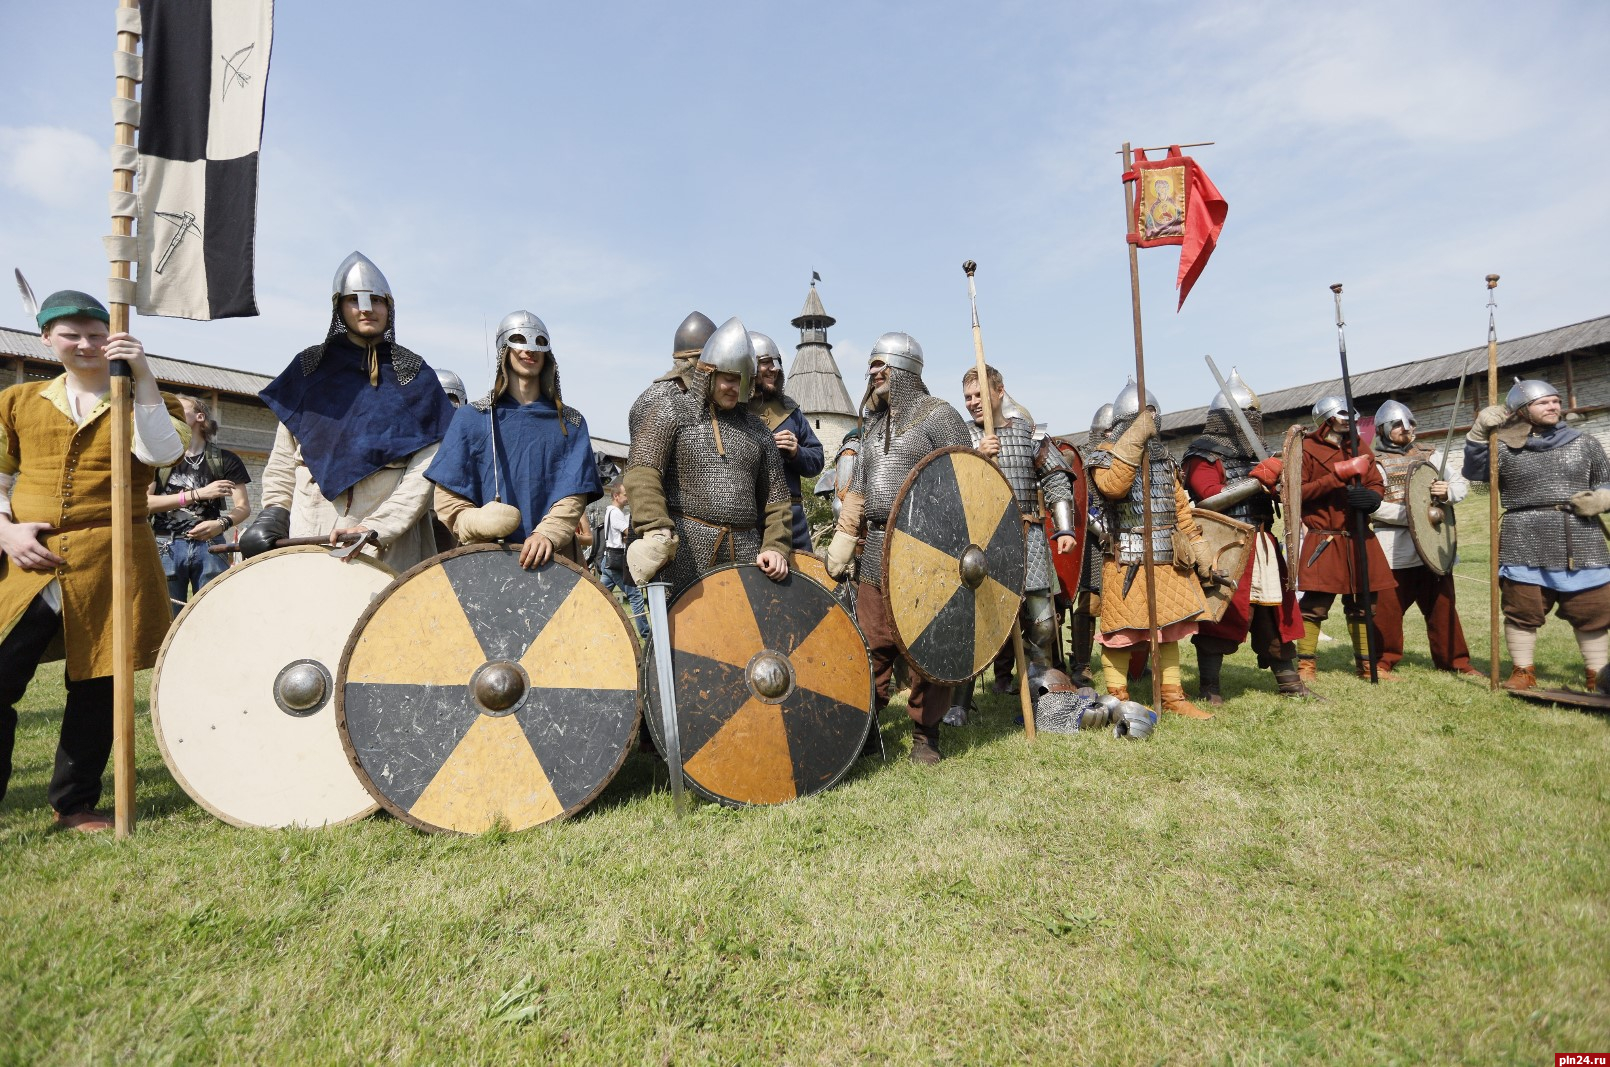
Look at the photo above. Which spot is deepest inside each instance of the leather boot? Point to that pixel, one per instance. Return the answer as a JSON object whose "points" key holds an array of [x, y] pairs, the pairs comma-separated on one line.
{"points": [[1173, 698], [1307, 669], [1592, 677], [1122, 692], [1084, 635], [1290, 684], [1208, 666], [1522, 678], [924, 749], [1382, 673]]}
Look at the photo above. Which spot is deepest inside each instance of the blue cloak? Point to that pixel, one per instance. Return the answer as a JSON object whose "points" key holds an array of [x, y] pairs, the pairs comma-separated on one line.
{"points": [[348, 429], [537, 464]]}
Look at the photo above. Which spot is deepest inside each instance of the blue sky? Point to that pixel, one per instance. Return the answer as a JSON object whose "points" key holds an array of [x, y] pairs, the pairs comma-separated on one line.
{"points": [[613, 166]]}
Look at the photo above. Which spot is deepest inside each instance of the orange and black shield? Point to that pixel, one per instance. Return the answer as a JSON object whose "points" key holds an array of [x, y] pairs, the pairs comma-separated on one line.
{"points": [[953, 564], [474, 693], [773, 686]]}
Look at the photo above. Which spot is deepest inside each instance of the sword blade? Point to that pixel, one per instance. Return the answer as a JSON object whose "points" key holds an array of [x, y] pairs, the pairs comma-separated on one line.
{"points": [[660, 630], [1240, 416]]}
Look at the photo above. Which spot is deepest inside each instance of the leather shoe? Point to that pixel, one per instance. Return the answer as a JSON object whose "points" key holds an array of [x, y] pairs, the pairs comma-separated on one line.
{"points": [[924, 750], [85, 822]]}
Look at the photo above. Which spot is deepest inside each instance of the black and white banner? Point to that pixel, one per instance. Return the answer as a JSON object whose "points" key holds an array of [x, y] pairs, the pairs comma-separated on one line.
{"points": [[201, 123]]}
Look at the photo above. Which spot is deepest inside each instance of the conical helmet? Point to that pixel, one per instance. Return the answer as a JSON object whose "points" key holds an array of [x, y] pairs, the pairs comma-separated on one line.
{"points": [[1127, 404], [729, 351], [523, 332], [1393, 411], [358, 276], [691, 335], [1101, 422], [1526, 390], [1333, 407], [897, 350], [1240, 392]]}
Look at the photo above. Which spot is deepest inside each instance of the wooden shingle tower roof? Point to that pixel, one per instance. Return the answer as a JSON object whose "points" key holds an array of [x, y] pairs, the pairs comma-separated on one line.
{"points": [[813, 381]]}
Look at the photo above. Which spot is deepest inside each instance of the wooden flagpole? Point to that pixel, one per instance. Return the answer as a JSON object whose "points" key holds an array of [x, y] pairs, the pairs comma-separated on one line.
{"points": [[1494, 636], [1025, 698], [122, 502], [1145, 466]]}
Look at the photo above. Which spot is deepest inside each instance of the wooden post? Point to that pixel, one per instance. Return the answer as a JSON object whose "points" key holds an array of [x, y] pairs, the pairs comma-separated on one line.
{"points": [[1145, 467], [1494, 634], [122, 501], [1025, 698]]}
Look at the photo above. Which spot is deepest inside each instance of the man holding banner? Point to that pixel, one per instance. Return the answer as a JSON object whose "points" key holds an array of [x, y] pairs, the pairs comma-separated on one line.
{"points": [[55, 532]]}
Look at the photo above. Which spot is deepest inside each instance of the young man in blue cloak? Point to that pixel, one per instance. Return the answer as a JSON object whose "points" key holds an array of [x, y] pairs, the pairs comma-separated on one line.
{"points": [[517, 465], [360, 417]]}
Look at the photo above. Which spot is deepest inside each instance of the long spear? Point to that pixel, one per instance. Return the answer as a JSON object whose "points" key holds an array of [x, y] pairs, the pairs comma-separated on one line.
{"points": [[1493, 635], [1361, 524], [1145, 467], [1025, 699], [122, 436]]}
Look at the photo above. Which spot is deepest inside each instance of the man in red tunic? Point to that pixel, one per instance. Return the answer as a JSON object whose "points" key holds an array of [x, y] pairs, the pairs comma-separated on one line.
{"points": [[1327, 560], [1262, 606]]}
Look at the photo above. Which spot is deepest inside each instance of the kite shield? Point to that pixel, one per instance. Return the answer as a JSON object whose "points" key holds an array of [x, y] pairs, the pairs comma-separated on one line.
{"points": [[1232, 553], [1070, 564], [475, 692], [773, 684], [1431, 522], [953, 564], [247, 727], [1291, 500]]}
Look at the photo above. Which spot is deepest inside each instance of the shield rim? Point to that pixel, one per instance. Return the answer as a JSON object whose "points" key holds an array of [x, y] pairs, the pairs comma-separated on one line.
{"points": [[1291, 499], [162, 655], [1565, 698], [647, 721], [883, 588], [1249, 532], [1418, 519], [352, 643]]}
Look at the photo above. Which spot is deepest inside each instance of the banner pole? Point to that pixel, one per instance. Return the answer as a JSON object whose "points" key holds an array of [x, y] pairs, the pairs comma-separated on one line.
{"points": [[1494, 636], [122, 501], [1145, 467]]}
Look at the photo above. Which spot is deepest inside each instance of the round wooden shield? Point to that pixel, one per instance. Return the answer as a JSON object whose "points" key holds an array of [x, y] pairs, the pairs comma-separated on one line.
{"points": [[1232, 554], [243, 696], [774, 688], [1291, 499], [1431, 522], [811, 567], [1070, 564], [953, 564], [475, 692]]}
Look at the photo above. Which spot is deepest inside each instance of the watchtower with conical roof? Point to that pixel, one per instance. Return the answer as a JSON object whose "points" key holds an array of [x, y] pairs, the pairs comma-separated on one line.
{"points": [[813, 381]]}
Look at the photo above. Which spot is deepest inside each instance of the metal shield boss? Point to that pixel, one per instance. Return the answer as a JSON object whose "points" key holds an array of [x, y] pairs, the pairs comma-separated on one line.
{"points": [[1069, 564], [475, 693], [1231, 541], [774, 689], [1291, 499], [1431, 522], [953, 564], [243, 696]]}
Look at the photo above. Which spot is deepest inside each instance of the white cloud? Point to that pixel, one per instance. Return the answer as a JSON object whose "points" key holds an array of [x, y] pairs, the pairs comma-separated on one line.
{"points": [[52, 164]]}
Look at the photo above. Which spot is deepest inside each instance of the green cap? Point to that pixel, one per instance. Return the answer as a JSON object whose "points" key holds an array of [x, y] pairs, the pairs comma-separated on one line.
{"points": [[70, 303]]}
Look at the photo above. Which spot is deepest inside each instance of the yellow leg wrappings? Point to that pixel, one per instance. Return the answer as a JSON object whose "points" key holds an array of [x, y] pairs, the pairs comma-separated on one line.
{"points": [[1115, 668], [1170, 655], [1308, 644], [1361, 641]]}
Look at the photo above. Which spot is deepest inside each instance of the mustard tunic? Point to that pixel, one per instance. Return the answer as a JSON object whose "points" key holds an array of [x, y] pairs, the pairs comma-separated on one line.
{"points": [[64, 477]]}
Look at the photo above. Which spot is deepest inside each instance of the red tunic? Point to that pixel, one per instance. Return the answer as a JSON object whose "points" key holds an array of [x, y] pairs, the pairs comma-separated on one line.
{"points": [[1326, 517], [1203, 478]]}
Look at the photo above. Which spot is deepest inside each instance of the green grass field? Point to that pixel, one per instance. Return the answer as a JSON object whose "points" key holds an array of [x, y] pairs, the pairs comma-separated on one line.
{"points": [[1408, 874]]}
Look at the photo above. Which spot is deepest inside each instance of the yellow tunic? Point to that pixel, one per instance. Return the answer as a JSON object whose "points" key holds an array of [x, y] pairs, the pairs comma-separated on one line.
{"points": [[1179, 593], [64, 477]]}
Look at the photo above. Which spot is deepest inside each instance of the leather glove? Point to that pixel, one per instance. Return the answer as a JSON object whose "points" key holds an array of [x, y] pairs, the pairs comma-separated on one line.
{"points": [[1268, 472], [1590, 502], [648, 554], [840, 555], [489, 522], [1487, 420], [1362, 498], [1202, 560], [1353, 468], [1132, 445], [260, 534]]}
